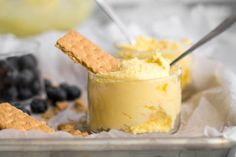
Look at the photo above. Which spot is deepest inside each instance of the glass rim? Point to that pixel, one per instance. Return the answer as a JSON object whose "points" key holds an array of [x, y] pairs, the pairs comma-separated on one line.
{"points": [[173, 73]]}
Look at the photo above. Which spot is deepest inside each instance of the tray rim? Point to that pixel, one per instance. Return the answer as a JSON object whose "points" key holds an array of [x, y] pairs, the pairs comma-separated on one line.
{"points": [[116, 144]]}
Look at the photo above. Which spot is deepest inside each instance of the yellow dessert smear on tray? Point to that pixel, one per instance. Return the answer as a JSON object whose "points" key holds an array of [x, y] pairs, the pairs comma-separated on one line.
{"points": [[145, 47]]}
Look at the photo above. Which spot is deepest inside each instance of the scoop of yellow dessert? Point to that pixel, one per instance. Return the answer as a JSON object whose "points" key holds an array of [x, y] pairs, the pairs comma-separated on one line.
{"points": [[136, 69], [143, 96], [146, 47]]}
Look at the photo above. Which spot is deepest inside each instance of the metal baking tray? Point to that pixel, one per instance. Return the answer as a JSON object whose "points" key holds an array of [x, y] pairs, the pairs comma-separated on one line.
{"points": [[117, 147]]}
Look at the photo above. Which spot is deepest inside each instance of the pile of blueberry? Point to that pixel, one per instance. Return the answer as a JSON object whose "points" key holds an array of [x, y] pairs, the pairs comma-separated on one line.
{"points": [[63, 92], [19, 78]]}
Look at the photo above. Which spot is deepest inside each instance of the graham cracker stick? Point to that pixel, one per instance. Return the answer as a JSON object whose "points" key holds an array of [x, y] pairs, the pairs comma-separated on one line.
{"points": [[83, 51], [13, 118]]}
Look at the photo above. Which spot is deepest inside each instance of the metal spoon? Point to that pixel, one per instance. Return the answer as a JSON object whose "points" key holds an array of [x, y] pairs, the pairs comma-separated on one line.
{"points": [[215, 32], [109, 11]]}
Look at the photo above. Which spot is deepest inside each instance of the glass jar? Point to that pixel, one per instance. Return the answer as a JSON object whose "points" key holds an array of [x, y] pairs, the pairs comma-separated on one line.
{"points": [[138, 106], [20, 78]]}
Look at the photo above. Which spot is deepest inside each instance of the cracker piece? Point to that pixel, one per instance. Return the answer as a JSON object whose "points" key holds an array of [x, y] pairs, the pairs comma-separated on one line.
{"points": [[72, 128], [83, 51], [79, 133], [80, 106], [68, 126], [11, 117], [50, 113], [62, 105]]}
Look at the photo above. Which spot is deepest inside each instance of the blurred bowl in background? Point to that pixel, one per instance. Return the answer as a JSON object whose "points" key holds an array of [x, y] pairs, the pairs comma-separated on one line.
{"points": [[29, 17]]}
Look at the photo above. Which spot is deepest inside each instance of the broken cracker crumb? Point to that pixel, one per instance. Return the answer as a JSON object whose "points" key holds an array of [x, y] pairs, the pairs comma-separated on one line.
{"points": [[72, 128], [67, 126], [62, 105], [78, 133], [80, 106], [50, 113]]}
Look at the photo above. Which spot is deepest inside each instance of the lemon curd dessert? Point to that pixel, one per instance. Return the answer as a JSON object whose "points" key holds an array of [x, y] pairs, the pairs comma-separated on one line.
{"points": [[142, 96], [134, 95], [144, 47]]}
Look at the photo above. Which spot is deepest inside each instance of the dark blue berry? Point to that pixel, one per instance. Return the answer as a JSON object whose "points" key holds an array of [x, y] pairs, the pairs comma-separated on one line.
{"points": [[64, 85], [47, 83], [27, 62], [13, 61], [11, 78], [24, 93], [36, 73], [56, 94], [5, 68], [39, 106], [10, 94], [36, 87], [25, 77], [72, 92]]}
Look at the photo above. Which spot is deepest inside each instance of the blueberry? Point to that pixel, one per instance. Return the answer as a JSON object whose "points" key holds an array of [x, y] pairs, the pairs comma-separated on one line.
{"points": [[11, 78], [5, 68], [36, 87], [1, 99], [24, 93], [36, 72], [10, 94], [56, 94], [47, 83], [39, 106], [64, 85], [25, 77], [13, 61], [72, 92], [27, 62]]}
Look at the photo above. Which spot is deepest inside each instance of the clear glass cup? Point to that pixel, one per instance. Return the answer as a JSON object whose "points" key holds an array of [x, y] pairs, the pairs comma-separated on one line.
{"points": [[135, 106]]}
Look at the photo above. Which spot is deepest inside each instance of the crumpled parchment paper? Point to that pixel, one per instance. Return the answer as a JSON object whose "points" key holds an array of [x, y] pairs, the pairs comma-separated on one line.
{"points": [[210, 110]]}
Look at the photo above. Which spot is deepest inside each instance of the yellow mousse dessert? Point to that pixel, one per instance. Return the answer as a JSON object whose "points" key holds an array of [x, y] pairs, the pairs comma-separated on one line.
{"points": [[145, 47], [135, 95], [142, 96]]}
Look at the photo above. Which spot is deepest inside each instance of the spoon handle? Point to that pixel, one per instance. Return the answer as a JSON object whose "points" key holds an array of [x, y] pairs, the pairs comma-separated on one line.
{"points": [[110, 13], [215, 32]]}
